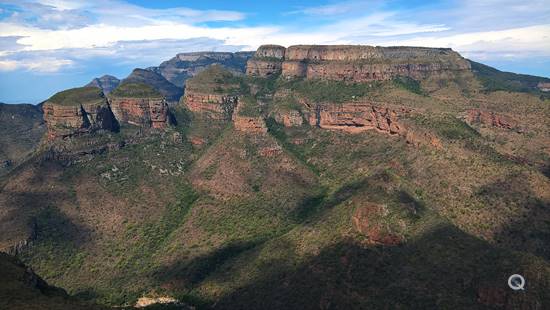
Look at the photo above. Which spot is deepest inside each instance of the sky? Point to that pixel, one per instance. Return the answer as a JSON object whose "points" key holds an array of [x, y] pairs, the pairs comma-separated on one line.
{"points": [[50, 45]]}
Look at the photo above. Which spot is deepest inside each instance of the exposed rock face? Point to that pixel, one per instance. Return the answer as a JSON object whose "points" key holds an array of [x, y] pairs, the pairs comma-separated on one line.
{"points": [[356, 117], [545, 87], [147, 112], [476, 116], [353, 62], [171, 92], [214, 93], [77, 111], [215, 106], [289, 118], [106, 83], [186, 65], [140, 105], [267, 61]]}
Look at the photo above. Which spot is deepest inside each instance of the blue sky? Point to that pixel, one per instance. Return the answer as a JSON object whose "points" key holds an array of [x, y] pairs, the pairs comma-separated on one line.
{"points": [[50, 45]]}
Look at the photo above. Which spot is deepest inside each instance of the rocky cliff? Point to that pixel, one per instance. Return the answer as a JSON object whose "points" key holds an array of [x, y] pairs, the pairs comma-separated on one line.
{"points": [[106, 83], [140, 105], [76, 111], [213, 93], [353, 62]]}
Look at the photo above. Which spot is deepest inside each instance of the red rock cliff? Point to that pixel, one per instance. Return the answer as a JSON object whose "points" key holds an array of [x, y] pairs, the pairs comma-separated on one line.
{"points": [[77, 111], [148, 112], [354, 62]]}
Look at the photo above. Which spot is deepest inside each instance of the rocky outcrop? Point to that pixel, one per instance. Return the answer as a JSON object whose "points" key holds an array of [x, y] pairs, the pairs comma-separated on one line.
{"points": [[267, 61], [249, 124], [139, 105], [106, 83], [354, 62], [214, 106], [545, 87], [488, 118], [289, 118], [356, 117], [146, 112], [214, 93], [77, 111]]}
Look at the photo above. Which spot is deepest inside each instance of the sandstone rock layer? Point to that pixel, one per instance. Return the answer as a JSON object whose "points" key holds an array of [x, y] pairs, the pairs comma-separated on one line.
{"points": [[354, 62]]}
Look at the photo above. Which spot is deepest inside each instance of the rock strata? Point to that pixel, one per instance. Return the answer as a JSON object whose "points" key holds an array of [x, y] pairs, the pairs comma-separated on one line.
{"points": [[139, 105], [353, 62], [76, 111]]}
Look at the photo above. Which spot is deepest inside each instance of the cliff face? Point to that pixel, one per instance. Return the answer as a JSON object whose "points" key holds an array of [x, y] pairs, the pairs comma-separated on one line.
{"points": [[77, 111], [139, 105], [215, 106], [84, 110], [267, 61], [147, 112], [488, 118], [213, 93], [353, 62]]}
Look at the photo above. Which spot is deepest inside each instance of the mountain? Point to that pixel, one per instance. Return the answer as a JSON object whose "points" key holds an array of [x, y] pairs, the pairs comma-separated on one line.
{"points": [[106, 83], [21, 129], [342, 177], [494, 79], [186, 65], [157, 81]]}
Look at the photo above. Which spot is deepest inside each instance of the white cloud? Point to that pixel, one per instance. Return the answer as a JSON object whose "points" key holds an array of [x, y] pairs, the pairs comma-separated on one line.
{"points": [[43, 65], [119, 30]]}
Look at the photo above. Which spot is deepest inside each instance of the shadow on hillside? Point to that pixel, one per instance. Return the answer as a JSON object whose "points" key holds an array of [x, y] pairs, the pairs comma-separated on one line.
{"points": [[446, 268], [33, 210], [185, 273], [530, 230]]}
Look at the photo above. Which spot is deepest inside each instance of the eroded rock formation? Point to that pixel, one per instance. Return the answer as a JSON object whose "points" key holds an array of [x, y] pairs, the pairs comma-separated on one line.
{"points": [[76, 111], [215, 106], [289, 118], [488, 118], [353, 62]]}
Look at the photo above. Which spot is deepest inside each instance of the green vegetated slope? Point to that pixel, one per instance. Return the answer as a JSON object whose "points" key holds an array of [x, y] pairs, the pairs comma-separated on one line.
{"points": [[225, 224], [21, 128], [21, 289]]}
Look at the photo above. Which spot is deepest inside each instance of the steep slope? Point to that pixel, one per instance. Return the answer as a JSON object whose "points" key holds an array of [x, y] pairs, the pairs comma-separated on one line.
{"points": [[157, 82], [21, 288], [305, 193], [186, 65], [494, 79], [106, 83], [21, 129]]}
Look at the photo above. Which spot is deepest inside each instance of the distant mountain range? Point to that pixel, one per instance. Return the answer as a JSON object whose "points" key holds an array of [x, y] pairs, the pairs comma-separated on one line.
{"points": [[170, 76]]}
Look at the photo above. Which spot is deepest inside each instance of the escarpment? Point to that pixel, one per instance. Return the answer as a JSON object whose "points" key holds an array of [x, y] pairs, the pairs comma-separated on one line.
{"points": [[353, 62], [213, 93], [140, 105], [76, 111], [86, 109]]}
